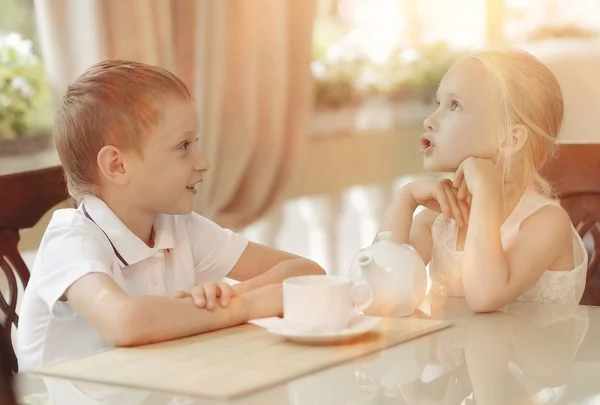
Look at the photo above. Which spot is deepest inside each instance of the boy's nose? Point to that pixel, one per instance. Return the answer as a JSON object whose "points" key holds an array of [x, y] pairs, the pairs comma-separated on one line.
{"points": [[202, 163]]}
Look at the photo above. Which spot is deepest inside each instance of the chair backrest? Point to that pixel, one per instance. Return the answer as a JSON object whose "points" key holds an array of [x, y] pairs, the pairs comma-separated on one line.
{"points": [[7, 389], [26, 197], [575, 173]]}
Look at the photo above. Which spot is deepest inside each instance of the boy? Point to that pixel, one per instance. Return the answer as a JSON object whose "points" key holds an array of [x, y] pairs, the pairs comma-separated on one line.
{"points": [[133, 264]]}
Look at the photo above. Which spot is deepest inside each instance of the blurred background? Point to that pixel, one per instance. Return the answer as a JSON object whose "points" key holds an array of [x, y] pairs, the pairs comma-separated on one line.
{"points": [[310, 110]]}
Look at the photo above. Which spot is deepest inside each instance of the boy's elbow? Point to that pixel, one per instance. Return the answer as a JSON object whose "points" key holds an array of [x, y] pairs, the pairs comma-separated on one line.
{"points": [[122, 339], [125, 328]]}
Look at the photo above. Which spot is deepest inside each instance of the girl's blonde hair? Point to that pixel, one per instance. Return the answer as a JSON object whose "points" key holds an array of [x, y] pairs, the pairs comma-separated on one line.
{"points": [[530, 96], [115, 102]]}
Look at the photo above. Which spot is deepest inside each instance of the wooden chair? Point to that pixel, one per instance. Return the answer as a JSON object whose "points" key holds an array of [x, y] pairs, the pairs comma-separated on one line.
{"points": [[25, 198], [7, 390], [575, 174]]}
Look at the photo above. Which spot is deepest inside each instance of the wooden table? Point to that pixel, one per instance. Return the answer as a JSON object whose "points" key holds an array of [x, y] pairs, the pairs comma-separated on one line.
{"points": [[527, 353]]}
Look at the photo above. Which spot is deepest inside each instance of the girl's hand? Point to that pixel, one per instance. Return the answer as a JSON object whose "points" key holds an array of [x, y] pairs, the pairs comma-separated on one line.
{"points": [[440, 196], [474, 175]]}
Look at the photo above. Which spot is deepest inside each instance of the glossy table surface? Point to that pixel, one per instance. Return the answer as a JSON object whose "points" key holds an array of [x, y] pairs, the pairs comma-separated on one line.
{"points": [[523, 354]]}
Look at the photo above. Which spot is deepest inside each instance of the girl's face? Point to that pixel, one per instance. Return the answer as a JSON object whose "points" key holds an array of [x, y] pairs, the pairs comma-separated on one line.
{"points": [[466, 121]]}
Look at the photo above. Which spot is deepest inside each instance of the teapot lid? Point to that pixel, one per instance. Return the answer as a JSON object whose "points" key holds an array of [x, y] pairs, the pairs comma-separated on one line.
{"points": [[387, 236], [384, 235]]}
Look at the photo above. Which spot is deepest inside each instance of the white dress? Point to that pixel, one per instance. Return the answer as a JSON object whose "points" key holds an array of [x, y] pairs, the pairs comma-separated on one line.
{"points": [[561, 287]]}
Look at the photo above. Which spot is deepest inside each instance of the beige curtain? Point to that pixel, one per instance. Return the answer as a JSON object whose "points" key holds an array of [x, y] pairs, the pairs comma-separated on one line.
{"points": [[247, 62]]}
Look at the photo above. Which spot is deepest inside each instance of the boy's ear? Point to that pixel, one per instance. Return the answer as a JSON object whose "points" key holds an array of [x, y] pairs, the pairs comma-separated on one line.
{"points": [[515, 140], [110, 160]]}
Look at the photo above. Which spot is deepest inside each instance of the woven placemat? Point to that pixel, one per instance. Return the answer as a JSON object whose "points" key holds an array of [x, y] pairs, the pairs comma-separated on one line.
{"points": [[231, 362]]}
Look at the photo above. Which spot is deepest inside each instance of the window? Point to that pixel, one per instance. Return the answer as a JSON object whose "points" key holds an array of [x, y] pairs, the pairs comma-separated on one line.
{"points": [[400, 49], [370, 56], [526, 18], [18, 16], [26, 105]]}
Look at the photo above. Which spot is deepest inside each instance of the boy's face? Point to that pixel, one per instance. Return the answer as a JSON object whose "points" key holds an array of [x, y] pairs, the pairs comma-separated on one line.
{"points": [[164, 178]]}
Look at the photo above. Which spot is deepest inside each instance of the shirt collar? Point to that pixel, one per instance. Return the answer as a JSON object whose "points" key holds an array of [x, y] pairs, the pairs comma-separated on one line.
{"points": [[130, 247]]}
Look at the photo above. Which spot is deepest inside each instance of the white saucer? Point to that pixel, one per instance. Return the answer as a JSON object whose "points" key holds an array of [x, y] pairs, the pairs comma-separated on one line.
{"points": [[359, 325]]}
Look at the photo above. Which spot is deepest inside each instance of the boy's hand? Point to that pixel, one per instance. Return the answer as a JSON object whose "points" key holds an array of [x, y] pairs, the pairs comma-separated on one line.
{"points": [[206, 295], [264, 302]]}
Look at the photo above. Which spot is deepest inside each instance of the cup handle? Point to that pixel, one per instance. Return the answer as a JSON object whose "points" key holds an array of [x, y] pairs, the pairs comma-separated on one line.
{"points": [[360, 306]]}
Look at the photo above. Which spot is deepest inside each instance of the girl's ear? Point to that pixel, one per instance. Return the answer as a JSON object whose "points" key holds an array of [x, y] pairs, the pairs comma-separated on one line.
{"points": [[515, 140]]}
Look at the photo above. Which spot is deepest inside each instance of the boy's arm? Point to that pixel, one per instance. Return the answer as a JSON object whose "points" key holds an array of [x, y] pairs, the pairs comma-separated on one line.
{"points": [[125, 320], [219, 253], [260, 265]]}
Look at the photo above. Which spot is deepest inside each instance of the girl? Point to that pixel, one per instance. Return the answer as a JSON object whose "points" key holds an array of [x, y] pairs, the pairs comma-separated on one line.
{"points": [[500, 236]]}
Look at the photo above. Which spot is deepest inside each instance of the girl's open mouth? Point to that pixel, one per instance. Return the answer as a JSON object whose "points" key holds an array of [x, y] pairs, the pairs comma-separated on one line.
{"points": [[426, 145]]}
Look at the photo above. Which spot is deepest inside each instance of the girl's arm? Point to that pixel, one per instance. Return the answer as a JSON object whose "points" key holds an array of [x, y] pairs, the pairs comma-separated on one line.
{"points": [[405, 229], [493, 277]]}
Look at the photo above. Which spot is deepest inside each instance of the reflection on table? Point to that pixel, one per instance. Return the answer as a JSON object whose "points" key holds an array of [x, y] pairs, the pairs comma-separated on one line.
{"points": [[524, 354]]}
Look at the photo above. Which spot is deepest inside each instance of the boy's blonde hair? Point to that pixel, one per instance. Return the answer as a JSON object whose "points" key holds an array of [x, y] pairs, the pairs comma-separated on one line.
{"points": [[531, 96], [114, 102]]}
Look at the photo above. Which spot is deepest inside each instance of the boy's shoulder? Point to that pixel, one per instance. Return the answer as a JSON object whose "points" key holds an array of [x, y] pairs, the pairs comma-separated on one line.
{"points": [[71, 247], [71, 218], [194, 223], [67, 224]]}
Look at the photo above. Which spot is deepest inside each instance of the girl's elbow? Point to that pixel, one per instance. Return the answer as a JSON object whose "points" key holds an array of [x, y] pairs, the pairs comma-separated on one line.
{"points": [[482, 308], [486, 295], [481, 303]]}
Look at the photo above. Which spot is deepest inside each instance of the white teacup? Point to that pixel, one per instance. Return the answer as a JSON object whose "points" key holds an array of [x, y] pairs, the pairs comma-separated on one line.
{"points": [[323, 303]]}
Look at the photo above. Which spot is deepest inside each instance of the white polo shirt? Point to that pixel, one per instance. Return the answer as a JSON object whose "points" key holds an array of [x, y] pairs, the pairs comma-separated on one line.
{"points": [[188, 249]]}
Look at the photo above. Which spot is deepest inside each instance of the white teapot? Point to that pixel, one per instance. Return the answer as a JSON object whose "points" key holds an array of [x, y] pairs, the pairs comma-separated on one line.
{"points": [[395, 272]]}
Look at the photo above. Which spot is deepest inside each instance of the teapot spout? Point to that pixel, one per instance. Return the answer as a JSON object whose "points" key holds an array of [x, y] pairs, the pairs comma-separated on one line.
{"points": [[365, 261]]}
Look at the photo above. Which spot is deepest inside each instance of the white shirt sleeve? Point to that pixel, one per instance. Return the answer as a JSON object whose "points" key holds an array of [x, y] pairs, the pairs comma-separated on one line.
{"points": [[215, 250], [68, 251]]}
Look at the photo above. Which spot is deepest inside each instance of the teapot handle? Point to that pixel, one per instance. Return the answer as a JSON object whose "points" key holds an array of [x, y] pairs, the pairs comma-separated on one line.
{"points": [[362, 304]]}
